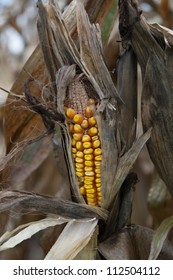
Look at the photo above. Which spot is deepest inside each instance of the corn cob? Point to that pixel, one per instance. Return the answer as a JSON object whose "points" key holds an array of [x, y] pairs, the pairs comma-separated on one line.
{"points": [[85, 140]]}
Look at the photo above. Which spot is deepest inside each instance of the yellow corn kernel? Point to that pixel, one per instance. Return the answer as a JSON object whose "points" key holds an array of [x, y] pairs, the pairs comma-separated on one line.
{"points": [[98, 175], [79, 160], [98, 180], [84, 124], [91, 195], [74, 150], [97, 170], [88, 151], [98, 185], [91, 101], [87, 145], [91, 203], [97, 164], [97, 152], [91, 190], [94, 138], [79, 170], [93, 131], [96, 144], [89, 186], [79, 165], [78, 128], [99, 158], [88, 168], [79, 154], [92, 121], [89, 111], [79, 146], [73, 142], [71, 128], [80, 174], [99, 194], [82, 190], [77, 136], [88, 180], [86, 138], [70, 113], [89, 163], [89, 157], [78, 118], [74, 156], [89, 173], [89, 199]]}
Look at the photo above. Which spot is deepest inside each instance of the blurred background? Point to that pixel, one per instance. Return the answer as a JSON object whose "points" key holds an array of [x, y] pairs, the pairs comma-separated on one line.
{"points": [[18, 39]]}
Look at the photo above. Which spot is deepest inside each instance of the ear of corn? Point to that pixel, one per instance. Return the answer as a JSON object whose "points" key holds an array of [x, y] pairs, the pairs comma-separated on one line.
{"points": [[85, 141]]}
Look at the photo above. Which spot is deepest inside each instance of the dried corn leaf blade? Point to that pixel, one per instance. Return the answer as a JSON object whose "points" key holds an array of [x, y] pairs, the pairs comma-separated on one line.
{"points": [[133, 243], [79, 234], [10, 239], [159, 237], [49, 205], [125, 164]]}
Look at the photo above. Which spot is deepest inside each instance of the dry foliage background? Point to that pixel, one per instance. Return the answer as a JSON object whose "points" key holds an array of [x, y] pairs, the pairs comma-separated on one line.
{"points": [[152, 202]]}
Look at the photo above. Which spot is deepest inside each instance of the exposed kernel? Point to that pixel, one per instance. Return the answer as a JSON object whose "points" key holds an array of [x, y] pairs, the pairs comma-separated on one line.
{"points": [[98, 185], [79, 154], [78, 118], [89, 173], [88, 168], [74, 150], [92, 121], [92, 131], [80, 174], [98, 180], [99, 158], [77, 136], [91, 195], [89, 179], [86, 138], [98, 175], [79, 145], [73, 142], [97, 170], [89, 157], [90, 191], [89, 163], [89, 111], [79, 160], [97, 164], [97, 152], [70, 113], [87, 145], [71, 128], [84, 124], [78, 128], [94, 138], [79, 169], [96, 144], [88, 186], [82, 191], [79, 165], [88, 151]]}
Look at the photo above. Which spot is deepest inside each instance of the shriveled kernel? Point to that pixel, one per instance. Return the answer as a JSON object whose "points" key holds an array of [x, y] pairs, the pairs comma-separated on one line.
{"points": [[97, 152], [94, 138], [88, 168], [88, 186], [92, 131], [71, 128], [97, 164], [96, 144], [89, 111], [86, 138], [91, 195], [79, 154], [87, 145], [79, 146], [88, 151], [97, 170], [84, 124], [89, 179], [74, 150], [79, 160], [92, 121], [73, 142], [99, 158], [80, 174], [79, 170], [98, 180], [89, 157], [79, 165], [91, 191], [77, 136], [70, 113], [78, 118], [78, 128], [89, 173], [89, 163], [82, 191]]}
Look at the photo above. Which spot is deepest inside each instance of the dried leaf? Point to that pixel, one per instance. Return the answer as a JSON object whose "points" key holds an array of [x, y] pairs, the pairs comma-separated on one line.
{"points": [[9, 240], [79, 234], [159, 238]]}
